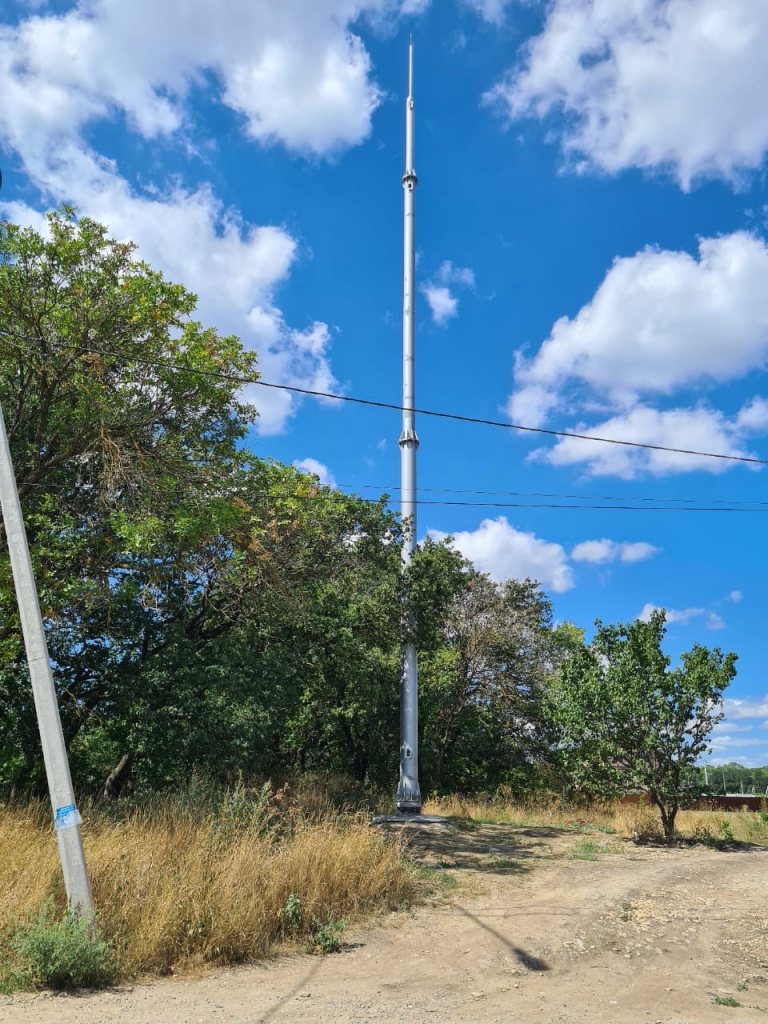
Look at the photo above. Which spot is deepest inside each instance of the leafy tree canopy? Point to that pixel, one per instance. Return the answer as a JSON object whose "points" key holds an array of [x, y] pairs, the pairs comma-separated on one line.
{"points": [[627, 721]]}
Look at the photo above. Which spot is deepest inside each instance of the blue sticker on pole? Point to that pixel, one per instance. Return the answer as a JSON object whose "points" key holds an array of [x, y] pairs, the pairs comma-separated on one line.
{"points": [[67, 817]]}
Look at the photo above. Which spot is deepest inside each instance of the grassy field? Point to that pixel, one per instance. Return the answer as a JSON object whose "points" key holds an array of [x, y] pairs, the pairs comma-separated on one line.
{"points": [[181, 882], [178, 887], [628, 821]]}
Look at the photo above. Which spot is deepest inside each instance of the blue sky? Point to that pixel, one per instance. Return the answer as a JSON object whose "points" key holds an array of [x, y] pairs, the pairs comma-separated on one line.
{"points": [[592, 256]]}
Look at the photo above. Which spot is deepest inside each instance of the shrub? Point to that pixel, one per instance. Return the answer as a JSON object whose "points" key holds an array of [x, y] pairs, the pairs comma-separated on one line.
{"points": [[326, 938], [61, 954], [292, 913]]}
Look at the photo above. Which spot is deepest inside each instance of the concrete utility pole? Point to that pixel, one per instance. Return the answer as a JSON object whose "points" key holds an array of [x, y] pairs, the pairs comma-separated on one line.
{"points": [[66, 817], [408, 791]]}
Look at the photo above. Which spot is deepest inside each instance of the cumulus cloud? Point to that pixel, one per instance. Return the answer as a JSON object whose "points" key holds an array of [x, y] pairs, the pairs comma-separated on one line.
{"points": [[299, 359], [293, 70], [600, 552], [735, 596], [730, 727], [315, 468], [682, 616], [296, 74], [693, 429], [738, 710], [443, 304], [675, 84], [233, 267], [504, 552], [656, 324]]}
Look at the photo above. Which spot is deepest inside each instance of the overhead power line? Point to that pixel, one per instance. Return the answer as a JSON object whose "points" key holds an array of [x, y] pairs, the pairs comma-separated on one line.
{"points": [[548, 494], [371, 403], [287, 494], [513, 426]]}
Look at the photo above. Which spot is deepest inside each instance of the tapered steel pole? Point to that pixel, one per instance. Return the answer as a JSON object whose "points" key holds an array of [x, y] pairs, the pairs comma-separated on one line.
{"points": [[66, 818], [408, 791]]}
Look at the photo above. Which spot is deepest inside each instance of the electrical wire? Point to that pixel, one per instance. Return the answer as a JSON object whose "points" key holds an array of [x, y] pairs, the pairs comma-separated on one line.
{"points": [[547, 494], [457, 417], [272, 495]]}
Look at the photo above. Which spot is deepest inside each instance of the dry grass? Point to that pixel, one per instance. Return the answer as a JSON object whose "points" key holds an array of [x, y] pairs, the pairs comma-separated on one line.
{"points": [[176, 891], [542, 812], [623, 820], [182, 883]]}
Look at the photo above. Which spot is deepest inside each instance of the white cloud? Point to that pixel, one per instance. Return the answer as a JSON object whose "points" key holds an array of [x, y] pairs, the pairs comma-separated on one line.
{"points": [[735, 596], [504, 552], [738, 710], [600, 552], [696, 429], [298, 359], [729, 727], [442, 303], [675, 84], [449, 273], [729, 744], [493, 11], [233, 267], [746, 761], [294, 70], [315, 468], [682, 616], [723, 741], [657, 323]]}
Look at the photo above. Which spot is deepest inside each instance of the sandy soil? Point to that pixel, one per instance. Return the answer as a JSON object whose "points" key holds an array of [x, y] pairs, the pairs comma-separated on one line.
{"points": [[531, 933]]}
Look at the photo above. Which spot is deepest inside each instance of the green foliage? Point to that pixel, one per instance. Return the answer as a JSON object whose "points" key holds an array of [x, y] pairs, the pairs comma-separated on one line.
{"points": [[482, 686], [124, 456], [293, 913], [626, 721], [724, 831], [326, 937], [734, 778], [60, 954], [725, 1001], [216, 616]]}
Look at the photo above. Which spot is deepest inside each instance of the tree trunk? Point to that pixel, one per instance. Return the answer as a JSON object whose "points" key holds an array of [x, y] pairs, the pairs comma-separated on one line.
{"points": [[118, 777], [360, 763], [668, 815]]}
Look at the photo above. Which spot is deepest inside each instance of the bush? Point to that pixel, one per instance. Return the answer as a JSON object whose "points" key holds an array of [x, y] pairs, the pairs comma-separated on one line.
{"points": [[64, 954], [326, 938]]}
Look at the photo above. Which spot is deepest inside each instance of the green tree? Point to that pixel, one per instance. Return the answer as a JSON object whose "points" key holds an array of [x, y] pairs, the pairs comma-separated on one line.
{"points": [[483, 683], [626, 721], [125, 428]]}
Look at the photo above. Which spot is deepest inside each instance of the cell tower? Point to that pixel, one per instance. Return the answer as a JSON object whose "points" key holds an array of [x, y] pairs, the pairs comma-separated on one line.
{"points": [[408, 791]]}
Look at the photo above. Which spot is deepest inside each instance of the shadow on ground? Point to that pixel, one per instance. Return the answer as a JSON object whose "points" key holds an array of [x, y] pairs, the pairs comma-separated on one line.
{"points": [[485, 848]]}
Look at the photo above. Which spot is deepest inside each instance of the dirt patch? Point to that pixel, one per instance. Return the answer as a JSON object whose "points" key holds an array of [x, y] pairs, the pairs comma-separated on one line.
{"points": [[540, 924]]}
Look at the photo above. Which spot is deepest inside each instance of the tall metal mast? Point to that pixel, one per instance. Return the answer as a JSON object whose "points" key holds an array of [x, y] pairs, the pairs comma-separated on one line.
{"points": [[408, 791]]}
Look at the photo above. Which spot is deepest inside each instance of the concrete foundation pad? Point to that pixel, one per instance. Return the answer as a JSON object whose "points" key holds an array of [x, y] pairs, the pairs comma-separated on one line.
{"points": [[410, 819]]}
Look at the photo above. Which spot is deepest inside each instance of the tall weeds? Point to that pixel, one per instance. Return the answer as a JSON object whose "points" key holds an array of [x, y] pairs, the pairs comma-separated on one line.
{"points": [[176, 889]]}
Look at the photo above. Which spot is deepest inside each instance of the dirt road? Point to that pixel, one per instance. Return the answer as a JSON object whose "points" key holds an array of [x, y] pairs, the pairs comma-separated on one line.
{"points": [[532, 933]]}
